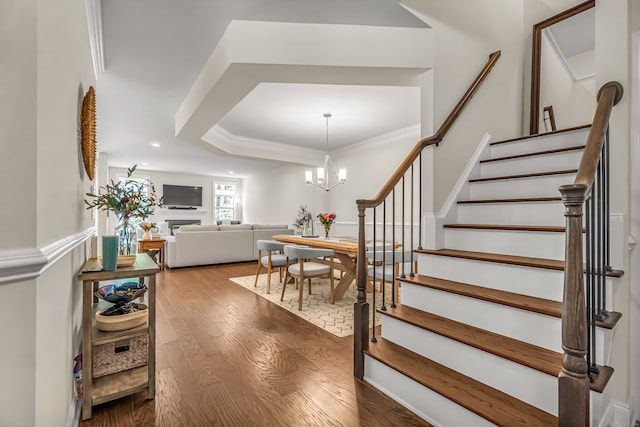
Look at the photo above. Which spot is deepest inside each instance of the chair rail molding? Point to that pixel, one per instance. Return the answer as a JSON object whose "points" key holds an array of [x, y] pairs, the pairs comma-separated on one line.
{"points": [[29, 263]]}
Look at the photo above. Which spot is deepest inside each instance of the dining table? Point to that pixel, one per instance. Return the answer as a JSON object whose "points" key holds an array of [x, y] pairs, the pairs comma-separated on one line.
{"points": [[345, 249]]}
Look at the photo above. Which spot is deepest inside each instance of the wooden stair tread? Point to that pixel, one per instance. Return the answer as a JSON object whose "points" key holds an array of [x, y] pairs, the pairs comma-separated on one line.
{"points": [[489, 403], [550, 264], [526, 354], [547, 228], [539, 135], [536, 153], [513, 200], [525, 175], [511, 299]]}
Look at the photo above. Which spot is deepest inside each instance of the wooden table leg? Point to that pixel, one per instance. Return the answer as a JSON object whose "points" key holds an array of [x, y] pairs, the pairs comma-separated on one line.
{"points": [[348, 278]]}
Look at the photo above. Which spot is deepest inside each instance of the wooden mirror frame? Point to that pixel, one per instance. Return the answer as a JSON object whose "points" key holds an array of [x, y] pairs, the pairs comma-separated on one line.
{"points": [[536, 50]]}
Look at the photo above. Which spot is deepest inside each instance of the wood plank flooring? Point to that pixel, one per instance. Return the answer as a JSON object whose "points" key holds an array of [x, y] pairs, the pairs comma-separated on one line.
{"points": [[227, 357]]}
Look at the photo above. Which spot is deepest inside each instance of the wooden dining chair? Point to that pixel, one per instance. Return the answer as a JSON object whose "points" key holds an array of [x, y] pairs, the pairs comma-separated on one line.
{"points": [[307, 268]]}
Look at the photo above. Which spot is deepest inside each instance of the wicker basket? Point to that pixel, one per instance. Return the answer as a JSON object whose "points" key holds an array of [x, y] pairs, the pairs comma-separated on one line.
{"points": [[122, 321], [119, 356]]}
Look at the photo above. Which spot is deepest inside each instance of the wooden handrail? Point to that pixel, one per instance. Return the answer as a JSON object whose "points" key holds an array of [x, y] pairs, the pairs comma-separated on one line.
{"points": [[432, 140], [361, 306], [608, 96]]}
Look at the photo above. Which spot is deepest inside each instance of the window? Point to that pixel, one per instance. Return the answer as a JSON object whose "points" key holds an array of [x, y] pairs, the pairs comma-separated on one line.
{"points": [[226, 199]]}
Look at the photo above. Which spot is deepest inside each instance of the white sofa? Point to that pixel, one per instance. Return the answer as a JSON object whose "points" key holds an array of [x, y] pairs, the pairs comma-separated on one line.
{"points": [[216, 244]]}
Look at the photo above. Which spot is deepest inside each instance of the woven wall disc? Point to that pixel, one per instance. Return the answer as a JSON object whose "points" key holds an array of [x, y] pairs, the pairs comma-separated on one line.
{"points": [[88, 132]]}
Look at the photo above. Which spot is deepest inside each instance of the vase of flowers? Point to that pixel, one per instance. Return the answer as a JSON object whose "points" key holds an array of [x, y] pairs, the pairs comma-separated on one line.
{"points": [[130, 200], [147, 226], [326, 219]]}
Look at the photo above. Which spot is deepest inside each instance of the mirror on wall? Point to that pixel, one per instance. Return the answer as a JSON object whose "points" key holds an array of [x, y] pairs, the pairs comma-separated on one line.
{"points": [[563, 90]]}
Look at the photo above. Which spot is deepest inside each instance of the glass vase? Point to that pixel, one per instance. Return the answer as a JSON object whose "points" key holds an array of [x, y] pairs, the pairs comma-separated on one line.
{"points": [[126, 237], [327, 227]]}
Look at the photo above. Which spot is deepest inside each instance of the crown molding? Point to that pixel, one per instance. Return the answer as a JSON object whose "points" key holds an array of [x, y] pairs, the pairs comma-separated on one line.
{"points": [[252, 147], [94, 22], [412, 131], [24, 264]]}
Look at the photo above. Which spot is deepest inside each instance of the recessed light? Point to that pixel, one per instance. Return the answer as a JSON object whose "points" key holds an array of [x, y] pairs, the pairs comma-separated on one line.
{"points": [[145, 164], [155, 144], [231, 172]]}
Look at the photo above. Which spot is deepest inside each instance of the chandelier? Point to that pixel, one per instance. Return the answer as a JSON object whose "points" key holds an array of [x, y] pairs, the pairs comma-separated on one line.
{"points": [[328, 171]]}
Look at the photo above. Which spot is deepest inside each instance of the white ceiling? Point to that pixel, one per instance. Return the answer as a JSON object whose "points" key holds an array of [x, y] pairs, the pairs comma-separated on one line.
{"points": [[154, 50], [577, 34]]}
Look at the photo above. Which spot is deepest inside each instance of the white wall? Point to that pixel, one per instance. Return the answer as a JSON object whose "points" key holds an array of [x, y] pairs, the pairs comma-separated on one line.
{"points": [[634, 258], [613, 39], [275, 196], [205, 213], [46, 70], [465, 33], [573, 102]]}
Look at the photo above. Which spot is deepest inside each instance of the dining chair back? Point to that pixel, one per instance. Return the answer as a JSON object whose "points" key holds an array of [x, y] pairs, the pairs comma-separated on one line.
{"points": [[270, 256]]}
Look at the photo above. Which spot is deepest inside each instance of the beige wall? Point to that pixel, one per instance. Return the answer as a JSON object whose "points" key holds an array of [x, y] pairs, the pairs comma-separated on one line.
{"points": [[46, 68], [573, 102], [613, 38], [465, 33], [368, 168], [205, 214]]}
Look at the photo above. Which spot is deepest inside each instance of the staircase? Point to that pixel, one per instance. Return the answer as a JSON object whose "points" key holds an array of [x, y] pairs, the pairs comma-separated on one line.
{"points": [[476, 339]]}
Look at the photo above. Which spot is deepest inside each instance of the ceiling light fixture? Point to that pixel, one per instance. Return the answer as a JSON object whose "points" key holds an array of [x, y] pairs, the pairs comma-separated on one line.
{"points": [[323, 174]]}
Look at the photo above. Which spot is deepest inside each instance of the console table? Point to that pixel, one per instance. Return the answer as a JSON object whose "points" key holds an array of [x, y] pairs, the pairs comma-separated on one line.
{"points": [[155, 243], [123, 383]]}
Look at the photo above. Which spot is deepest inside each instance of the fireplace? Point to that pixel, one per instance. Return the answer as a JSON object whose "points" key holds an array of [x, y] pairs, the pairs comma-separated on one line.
{"points": [[176, 223]]}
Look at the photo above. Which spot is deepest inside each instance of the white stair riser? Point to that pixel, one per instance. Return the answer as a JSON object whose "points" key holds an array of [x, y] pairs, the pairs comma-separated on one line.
{"points": [[540, 186], [509, 377], [534, 328], [538, 213], [536, 282], [419, 399], [537, 329], [535, 164], [522, 243], [564, 140]]}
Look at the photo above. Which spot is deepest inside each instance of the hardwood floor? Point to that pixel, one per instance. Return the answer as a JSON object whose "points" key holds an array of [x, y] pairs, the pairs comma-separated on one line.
{"points": [[227, 357]]}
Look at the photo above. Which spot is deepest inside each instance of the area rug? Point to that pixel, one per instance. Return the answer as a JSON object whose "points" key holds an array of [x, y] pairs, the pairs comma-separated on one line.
{"points": [[334, 318]]}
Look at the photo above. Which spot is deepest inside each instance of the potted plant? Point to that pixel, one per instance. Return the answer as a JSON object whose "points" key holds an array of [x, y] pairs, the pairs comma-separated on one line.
{"points": [[303, 221], [129, 199]]}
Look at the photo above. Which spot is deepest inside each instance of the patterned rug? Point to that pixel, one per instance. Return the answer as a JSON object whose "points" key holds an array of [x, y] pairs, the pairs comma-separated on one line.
{"points": [[335, 318]]}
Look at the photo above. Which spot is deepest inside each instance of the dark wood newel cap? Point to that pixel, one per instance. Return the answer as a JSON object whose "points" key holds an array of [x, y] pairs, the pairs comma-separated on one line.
{"points": [[573, 194], [617, 86]]}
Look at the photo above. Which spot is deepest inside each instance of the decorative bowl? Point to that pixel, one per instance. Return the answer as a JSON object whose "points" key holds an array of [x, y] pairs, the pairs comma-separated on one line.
{"points": [[121, 293], [126, 260], [122, 322]]}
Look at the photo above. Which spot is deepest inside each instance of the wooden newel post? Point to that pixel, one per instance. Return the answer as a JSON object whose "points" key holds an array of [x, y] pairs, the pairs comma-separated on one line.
{"points": [[361, 307], [573, 382]]}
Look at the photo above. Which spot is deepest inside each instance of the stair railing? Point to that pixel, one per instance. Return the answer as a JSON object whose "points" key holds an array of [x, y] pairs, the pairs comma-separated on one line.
{"points": [[581, 312], [378, 257]]}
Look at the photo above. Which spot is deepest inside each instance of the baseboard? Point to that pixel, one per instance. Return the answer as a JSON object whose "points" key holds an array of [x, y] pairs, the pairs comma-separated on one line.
{"points": [[617, 414], [74, 413]]}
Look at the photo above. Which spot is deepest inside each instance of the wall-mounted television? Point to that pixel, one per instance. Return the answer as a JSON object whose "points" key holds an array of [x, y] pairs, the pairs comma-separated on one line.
{"points": [[181, 196]]}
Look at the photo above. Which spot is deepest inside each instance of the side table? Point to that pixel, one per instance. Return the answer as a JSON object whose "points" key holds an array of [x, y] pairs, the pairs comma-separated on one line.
{"points": [[116, 385], [156, 243]]}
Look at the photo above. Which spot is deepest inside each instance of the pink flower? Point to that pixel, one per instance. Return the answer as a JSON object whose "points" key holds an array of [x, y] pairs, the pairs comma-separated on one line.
{"points": [[326, 218]]}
